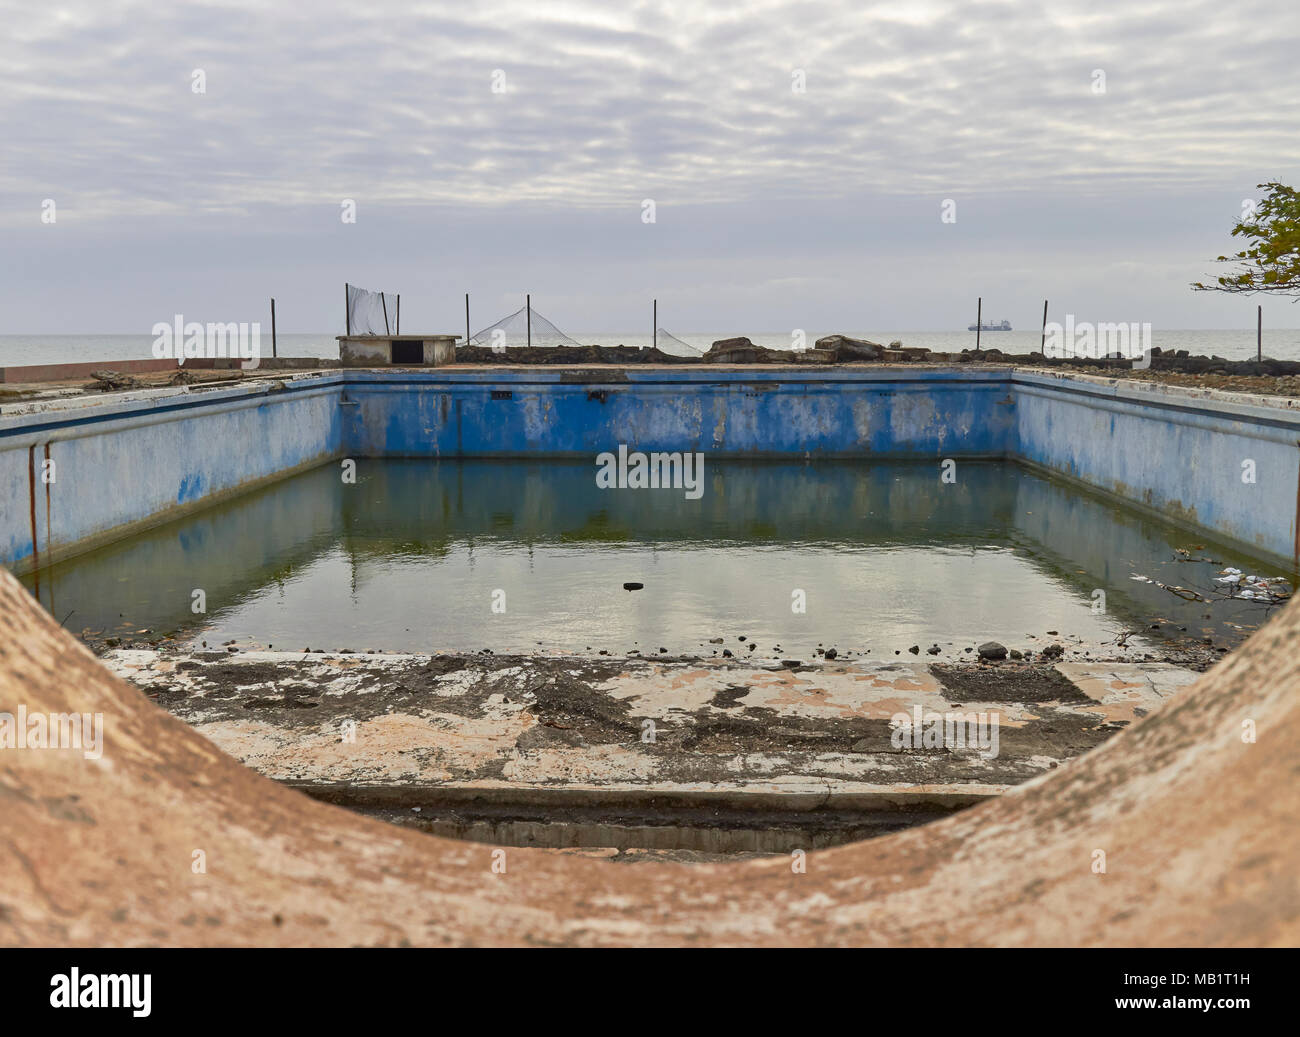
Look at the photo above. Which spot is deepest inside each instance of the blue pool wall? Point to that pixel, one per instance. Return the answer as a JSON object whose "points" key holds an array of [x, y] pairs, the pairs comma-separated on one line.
{"points": [[881, 414], [122, 465], [132, 461]]}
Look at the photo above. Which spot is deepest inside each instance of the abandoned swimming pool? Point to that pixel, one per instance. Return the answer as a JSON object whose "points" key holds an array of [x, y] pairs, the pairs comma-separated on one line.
{"points": [[850, 522]]}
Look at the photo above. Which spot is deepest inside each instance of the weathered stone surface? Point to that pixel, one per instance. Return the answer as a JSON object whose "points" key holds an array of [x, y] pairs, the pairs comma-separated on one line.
{"points": [[742, 351], [815, 356], [739, 342], [846, 349], [1201, 828]]}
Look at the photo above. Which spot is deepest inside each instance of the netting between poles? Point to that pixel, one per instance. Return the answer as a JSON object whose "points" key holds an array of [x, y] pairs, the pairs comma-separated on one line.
{"points": [[371, 313], [512, 331], [674, 346]]}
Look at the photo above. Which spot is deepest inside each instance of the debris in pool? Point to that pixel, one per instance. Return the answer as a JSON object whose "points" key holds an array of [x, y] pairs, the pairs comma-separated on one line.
{"points": [[992, 650], [831, 653], [633, 586]]}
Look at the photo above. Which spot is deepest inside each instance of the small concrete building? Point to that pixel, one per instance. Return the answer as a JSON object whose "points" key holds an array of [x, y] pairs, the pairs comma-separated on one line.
{"points": [[407, 350]]}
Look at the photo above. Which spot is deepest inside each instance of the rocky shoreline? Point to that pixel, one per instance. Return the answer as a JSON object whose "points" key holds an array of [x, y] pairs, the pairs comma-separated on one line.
{"points": [[1269, 376]]}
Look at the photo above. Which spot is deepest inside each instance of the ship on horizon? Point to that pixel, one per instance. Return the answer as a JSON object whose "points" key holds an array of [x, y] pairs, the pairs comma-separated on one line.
{"points": [[1002, 325]]}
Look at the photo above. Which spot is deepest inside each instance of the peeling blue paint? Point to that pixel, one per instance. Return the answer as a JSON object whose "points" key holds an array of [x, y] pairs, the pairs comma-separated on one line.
{"points": [[191, 488]]}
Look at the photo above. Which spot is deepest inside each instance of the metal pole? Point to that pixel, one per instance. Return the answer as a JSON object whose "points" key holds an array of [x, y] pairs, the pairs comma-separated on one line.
{"points": [[383, 300], [273, 350], [656, 324], [1043, 345], [347, 308], [979, 320], [1259, 333], [467, 318], [528, 305], [399, 313]]}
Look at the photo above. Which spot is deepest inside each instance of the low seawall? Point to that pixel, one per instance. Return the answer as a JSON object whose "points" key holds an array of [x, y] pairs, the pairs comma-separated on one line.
{"points": [[78, 473]]}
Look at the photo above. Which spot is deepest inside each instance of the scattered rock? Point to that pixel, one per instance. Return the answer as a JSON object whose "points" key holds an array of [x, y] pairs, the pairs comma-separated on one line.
{"points": [[543, 736], [992, 650], [843, 348], [106, 380]]}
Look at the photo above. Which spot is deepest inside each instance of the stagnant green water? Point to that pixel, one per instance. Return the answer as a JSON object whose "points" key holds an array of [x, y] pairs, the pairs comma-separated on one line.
{"points": [[532, 556]]}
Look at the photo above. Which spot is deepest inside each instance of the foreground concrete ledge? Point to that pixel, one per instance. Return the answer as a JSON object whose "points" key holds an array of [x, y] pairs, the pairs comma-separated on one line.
{"points": [[1199, 827]]}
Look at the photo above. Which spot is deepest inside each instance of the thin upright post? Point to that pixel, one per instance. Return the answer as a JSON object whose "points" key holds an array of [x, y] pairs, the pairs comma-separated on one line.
{"points": [[1043, 345], [528, 305], [1259, 333], [655, 321], [979, 321], [383, 300], [273, 350], [347, 307], [399, 313], [467, 318]]}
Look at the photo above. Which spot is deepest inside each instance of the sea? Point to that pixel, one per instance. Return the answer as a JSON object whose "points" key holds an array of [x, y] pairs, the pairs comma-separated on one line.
{"points": [[1231, 344]]}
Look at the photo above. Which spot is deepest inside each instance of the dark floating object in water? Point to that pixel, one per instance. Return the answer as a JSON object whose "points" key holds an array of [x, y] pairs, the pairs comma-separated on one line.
{"points": [[633, 586]]}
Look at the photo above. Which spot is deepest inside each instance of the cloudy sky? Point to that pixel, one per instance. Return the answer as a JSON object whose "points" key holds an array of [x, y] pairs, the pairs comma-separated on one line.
{"points": [[509, 146]]}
